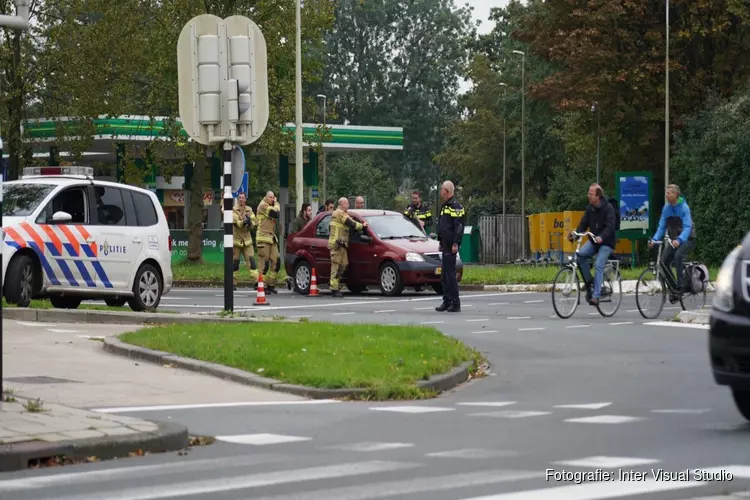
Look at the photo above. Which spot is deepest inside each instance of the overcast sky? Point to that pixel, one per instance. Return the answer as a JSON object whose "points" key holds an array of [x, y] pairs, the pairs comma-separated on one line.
{"points": [[482, 13]]}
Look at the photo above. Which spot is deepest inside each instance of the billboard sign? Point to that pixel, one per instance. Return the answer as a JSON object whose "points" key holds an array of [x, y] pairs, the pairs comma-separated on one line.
{"points": [[633, 193]]}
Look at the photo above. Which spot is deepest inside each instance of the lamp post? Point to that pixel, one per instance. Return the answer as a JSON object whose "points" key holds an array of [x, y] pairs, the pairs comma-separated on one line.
{"points": [[324, 193], [505, 95], [666, 112], [595, 109], [523, 148], [299, 159]]}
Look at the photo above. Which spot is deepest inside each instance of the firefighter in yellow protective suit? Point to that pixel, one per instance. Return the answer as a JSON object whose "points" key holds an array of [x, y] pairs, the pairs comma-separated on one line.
{"points": [[338, 242], [243, 219], [268, 244]]}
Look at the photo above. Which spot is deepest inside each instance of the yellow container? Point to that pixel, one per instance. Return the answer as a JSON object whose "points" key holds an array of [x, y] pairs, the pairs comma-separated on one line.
{"points": [[555, 224], [543, 233], [571, 219], [624, 246], [534, 233]]}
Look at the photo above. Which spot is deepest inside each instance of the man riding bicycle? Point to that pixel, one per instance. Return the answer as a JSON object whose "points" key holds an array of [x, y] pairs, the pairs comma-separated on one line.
{"points": [[679, 225], [600, 219]]}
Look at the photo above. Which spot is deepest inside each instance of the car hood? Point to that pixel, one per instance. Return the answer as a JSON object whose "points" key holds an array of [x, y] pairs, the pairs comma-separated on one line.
{"points": [[419, 246]]}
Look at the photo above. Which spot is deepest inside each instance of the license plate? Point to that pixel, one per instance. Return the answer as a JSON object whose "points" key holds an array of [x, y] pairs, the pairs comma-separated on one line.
{"points": [[438, 270]]}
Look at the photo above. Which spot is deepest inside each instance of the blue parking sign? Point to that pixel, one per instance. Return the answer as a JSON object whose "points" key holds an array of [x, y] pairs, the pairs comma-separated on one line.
{"points": [[243, 187]]}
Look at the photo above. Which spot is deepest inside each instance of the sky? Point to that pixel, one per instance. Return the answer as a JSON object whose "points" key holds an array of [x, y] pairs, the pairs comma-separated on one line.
{"points": [[482, 13]]}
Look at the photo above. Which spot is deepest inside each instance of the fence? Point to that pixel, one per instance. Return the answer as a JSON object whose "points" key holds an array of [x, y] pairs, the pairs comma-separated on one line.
{"points": [[501, 244]]}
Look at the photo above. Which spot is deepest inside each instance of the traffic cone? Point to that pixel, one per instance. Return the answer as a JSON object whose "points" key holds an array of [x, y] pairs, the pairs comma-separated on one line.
{"points": [[313, 284], [260, 295]]}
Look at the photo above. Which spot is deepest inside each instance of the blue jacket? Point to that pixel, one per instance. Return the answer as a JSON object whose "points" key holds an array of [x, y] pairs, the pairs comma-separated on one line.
{"points": [[677, 221]]}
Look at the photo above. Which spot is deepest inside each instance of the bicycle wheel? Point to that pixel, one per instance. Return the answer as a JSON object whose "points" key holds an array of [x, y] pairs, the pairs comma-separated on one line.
{"points": [[693, 301], [611, 295], [647, 290], [566, 288]]}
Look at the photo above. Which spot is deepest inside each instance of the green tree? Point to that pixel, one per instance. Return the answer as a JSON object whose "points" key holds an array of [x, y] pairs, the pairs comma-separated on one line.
{"points": [[358, 175]]}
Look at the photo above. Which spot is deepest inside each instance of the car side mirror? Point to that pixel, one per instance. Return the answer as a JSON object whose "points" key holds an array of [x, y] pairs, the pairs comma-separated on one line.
{"points": [[60, 218], [433, 236], [365, 238]]}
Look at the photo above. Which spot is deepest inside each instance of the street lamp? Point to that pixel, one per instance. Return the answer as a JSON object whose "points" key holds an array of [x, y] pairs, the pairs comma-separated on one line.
{"points": [[324, 193], [523, 147], [666, 113], [595, 109], [299, 161], [505, 231]]}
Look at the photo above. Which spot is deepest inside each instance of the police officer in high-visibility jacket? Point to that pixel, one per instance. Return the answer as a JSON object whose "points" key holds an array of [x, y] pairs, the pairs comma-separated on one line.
{"points": [[450, 232], [268, 244], [338, 242], [419, 213], [243, 219]]}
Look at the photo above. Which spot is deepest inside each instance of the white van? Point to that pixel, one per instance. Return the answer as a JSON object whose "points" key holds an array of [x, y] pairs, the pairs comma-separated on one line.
{"points": [[70, 237]]}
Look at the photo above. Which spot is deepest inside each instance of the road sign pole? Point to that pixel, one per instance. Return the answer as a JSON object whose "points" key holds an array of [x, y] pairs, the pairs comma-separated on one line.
{"points": [[228, 234]]}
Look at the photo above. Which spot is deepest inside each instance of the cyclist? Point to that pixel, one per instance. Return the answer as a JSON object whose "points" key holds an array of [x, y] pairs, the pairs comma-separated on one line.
{"points": [[678, 223], [600, 219]]}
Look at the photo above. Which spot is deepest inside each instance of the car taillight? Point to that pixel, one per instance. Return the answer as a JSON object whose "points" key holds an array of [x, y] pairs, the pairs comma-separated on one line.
{"points": [[170, 242]]}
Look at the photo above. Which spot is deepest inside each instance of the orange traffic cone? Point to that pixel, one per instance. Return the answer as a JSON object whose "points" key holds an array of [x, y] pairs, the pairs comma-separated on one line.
{"points": [[313, 284], [260, 296]]}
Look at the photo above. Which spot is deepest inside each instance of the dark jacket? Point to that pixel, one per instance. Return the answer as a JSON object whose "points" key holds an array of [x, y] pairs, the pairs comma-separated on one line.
{"points": [[600, 221], [450, 224]]}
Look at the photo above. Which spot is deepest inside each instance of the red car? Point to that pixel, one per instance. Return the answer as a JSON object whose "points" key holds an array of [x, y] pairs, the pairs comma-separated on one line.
{"points": [[391, 253]]}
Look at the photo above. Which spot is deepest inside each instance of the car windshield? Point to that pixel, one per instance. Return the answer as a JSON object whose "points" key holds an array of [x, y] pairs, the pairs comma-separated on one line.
{"points": [[20, 200], [392, 227]]}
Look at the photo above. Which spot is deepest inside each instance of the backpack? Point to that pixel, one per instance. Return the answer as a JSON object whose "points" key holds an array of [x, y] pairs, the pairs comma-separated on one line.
{"points": [[695, 279], [616, 206]]}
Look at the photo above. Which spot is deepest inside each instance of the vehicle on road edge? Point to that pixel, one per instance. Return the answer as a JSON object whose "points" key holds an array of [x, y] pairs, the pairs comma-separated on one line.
{"points": [[391, 253], [729, 326]]}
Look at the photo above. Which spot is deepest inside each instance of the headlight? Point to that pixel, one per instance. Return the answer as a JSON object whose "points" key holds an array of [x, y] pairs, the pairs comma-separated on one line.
{"points": [[414, 257], [725, 282]]}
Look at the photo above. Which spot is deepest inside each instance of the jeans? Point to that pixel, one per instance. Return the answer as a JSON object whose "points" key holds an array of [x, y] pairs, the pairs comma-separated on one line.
{"points": [[677, 255], [448, 279], [587, 250]]}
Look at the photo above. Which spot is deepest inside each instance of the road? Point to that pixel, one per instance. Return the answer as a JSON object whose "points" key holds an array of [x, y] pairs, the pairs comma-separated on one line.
{"points": [[588, 394]]}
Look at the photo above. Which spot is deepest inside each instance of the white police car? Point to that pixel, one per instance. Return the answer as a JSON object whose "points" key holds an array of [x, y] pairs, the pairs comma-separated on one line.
{"points": [[70, 237]]}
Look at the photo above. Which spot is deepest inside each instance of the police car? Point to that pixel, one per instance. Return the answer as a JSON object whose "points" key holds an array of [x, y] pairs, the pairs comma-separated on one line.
{"points": [[70, 237]]}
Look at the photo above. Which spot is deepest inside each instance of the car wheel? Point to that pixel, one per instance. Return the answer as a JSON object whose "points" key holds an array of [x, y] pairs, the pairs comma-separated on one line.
{"points": [[65, 302], [146, 289], [390, 280], [438, 287], [302, 277], [118, 302], [742, 401], [19, 281]]}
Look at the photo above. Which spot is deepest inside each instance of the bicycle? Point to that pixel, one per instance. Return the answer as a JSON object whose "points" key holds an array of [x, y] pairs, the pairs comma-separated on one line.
{"points": [[611, 283], [665, 280]]}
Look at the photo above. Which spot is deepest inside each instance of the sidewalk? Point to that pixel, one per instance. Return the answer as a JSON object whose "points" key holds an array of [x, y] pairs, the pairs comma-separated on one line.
{"points": [[33, 432]]}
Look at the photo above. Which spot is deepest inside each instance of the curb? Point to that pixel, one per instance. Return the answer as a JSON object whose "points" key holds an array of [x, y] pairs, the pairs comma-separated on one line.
{"points": [[169, 436], [695, 317], [112, 317], [113, 345]]}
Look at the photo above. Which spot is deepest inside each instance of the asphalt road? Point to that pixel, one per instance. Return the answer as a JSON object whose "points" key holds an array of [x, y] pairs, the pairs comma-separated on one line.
{"points": [[586, 395]]}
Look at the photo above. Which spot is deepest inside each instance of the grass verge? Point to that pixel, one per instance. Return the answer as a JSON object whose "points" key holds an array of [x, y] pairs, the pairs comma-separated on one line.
{"points": [[388, 361], [472, 274], [46, 304]]}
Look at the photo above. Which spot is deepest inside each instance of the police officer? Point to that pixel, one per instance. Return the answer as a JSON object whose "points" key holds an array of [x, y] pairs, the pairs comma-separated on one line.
{"points": [[243, 220], [338, 242], [450, 231], [268, 243], [419, 213]]}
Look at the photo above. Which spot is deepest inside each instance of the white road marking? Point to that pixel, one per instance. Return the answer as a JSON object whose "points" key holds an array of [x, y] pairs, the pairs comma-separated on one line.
{"points": [[260, 439], [632, 310], [60, 330], [432, 322], [578, 326], [677, 325], [530, 329], [685, 411], [92, 337], [127, 409], [605, 419], [498, 403], [485, 331], [385, 311], [585, 406], [622, 323], [518, 317], [510, 414], [370, 446], [28, 323], [741, 471], [411, 409], [594, 490], [604, 462], [297, 317], [210, 487], [183, 298], [472, 453], [498, 304], [343, 314], [593, 314], [423, 308], [532, 301], [476, 320]]}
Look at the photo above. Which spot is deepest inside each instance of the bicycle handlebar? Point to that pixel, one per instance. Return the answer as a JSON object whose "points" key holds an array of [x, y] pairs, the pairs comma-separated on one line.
{"points": [[587, 233], [666, 238]]}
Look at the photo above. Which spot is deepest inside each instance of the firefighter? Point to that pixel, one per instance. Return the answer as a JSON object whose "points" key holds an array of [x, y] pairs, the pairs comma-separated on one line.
{"points": [[338, 242], [243, 219], [419, 213], [268, 244]]}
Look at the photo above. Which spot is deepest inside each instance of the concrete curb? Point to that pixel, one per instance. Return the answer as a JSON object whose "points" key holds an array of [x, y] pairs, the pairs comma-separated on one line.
{"points": [[437, 383], [112, 317], [696, 317], [169, 436]]}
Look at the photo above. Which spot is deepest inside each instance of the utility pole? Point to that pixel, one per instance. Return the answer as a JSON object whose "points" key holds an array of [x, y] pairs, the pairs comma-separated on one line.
{"points": [[223, 93], [324, 194], [505, 231], [523, 147], [666, 114], [18, 22], [299, 159], [595, 109]]}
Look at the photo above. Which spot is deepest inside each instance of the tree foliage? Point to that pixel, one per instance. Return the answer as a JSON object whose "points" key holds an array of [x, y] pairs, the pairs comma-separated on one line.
{"points": [[359, 175]]}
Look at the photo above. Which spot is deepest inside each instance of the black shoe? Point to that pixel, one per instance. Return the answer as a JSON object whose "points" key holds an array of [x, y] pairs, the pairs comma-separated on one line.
{"points": [[336, 293], [272, 289], [455, 307], [442, 307]]}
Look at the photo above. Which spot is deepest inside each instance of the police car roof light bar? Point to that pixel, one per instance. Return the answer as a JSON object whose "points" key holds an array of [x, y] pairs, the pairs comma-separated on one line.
{"points": [[70, 170]]}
